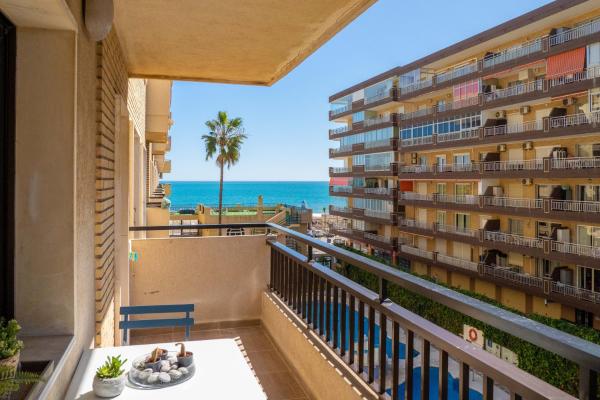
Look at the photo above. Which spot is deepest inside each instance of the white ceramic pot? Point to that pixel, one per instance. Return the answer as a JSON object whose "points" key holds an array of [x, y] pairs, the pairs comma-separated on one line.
{"points": [[109, 387]]}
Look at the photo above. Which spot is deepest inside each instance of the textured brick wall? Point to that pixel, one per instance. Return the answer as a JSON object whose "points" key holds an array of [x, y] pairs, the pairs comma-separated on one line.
{"points": [[112, 82]]}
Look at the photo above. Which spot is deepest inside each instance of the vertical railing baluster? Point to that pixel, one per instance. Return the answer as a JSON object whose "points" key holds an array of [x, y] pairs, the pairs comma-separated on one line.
{"points": [[382, 351], [488, 388], [285, 277], [352, 329], [321, 306], [408, 373], [310, 299], [443, 376], [463, 381], [304, 292], [272, 269], [361, 336], [395, 361], [315, 305], [336, 317], [343, 327], [328, 313], [371, 344], [425, 363], [293, 286]]}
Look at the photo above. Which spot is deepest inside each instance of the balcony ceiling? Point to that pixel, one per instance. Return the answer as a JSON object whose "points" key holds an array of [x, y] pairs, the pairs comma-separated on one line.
{"points": [[251, 41]]}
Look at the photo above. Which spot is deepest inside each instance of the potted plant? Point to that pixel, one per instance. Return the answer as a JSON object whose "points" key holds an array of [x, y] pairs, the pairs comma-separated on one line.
{"points": [[10, 346], [109, 380]]}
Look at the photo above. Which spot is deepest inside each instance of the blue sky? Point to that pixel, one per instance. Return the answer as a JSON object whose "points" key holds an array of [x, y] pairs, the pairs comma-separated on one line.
{"points": [[287, 123]]}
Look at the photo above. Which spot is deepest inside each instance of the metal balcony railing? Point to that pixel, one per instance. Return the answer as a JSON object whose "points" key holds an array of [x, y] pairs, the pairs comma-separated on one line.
{"points": [[507, 274], [376, 121], [517, 90], [457, 262], [330, 305], [378, 167], [418, 113], [416, 169], [589, 73], [575, 33], [341, 189], [341, 170], [512, 202], [575, 163], [574, 206], [460, 135], [415, 196], [575, 120], [456, 72], [522, 50], [341, 109], [573, 291], [509, 129], [455, 198], [411, 223], [422, 84], [341, 149], [517, 240], [378, 143], [377, 238], [457, 230], [385, 215], [417, 141], [416, 251], [379, 191], [577, 249], [345, 210], [379, 96], [339, 130], [513, 165]]}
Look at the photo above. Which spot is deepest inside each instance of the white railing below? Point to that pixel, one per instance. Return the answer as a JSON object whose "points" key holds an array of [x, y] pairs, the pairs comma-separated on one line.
{"points": [[416, 251], [575, 163], [516, 90], [575, 33], [417, 141], [513, 239], [537, 125], [513, 53], [457, 262], [575, 206], [577, 249]]}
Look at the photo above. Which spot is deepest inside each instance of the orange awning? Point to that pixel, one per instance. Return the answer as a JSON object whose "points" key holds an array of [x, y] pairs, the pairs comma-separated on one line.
{"points": [[339, 181], [566, 63]]}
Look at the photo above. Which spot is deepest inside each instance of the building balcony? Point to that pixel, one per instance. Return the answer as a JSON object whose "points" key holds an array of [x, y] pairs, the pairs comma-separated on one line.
{"points": [[545, 287], [569, 210], [345, 212], [164, 167], [547, 127], [375, 101], [159, 148], [364, 126], [541, 247], [567, 167], [389, 194], [376, 146], [371, 238]]}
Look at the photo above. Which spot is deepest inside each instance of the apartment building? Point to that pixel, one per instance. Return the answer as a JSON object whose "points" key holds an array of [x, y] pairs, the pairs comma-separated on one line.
{"points": [[479, 164]]}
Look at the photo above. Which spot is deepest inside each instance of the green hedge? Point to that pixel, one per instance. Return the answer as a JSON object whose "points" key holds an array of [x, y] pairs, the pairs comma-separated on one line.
{"points": [[547, 366]]}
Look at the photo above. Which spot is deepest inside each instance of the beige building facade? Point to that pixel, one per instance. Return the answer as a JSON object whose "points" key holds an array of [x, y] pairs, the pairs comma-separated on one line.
{"points": [[479, 165]]}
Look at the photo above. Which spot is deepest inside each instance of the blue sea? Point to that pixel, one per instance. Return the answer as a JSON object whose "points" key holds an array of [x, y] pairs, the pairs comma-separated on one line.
{"points": [[190, 193]]}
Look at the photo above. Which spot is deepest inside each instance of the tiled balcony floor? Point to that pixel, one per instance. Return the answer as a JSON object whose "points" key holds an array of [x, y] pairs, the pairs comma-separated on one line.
{"points": [[273, 373]]}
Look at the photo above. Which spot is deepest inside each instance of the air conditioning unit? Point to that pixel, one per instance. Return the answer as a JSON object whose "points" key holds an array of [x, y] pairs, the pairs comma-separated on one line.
{"points": [[569, 101], [501, 114], [527, 181], [525, 110], [528, 146], [501, 148]]}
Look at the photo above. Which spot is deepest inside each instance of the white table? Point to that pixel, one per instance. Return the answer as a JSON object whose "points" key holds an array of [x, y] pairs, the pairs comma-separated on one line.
{"points": [[221, 373]]}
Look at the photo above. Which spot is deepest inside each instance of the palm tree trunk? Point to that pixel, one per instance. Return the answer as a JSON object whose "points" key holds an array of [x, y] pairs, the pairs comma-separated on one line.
{"points": [[220, 197]]}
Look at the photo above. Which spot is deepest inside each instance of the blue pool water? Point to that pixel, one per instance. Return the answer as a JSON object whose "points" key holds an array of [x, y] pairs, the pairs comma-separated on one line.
{"points": [[315, 194], [453, 383]]}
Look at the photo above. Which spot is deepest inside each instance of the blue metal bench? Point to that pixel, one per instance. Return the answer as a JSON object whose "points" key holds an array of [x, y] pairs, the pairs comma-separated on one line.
{"points": [[127, 324]]}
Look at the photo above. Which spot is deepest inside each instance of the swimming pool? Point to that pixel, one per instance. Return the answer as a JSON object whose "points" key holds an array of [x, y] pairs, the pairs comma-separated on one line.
{"points": [[453, 382]]}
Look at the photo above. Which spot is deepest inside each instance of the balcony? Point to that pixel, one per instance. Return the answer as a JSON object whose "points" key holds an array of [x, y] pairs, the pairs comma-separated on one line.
{"points": [[570, 210], [373, 239], [567, 167], [513, 53], [340, 190], [345, 212], [540, 286], [383, 121], [340, 171]]}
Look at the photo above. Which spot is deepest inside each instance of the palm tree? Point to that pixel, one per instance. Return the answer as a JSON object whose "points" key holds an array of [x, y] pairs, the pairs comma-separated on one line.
{"points": [[224, 140]]}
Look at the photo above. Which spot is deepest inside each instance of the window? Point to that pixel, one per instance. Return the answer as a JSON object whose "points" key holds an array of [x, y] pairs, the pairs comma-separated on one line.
{"points": [[462, 158], [594, 99], [441, 188], [462, 189], [358, 117], [588, 150], [462, 221], [588, 278], [358, 224], [588, 192], [466, 90], [440, 217], [515, 226], [378, 161], [588, 235]]}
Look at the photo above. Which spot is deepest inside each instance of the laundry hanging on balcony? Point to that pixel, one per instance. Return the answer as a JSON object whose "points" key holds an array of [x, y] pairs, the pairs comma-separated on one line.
{"points": [[565, 63]]}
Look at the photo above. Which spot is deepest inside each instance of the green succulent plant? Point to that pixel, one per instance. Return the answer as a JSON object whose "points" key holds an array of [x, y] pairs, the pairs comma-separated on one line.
{"points": [[9, 344], [112, 368], [11, 380]]}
